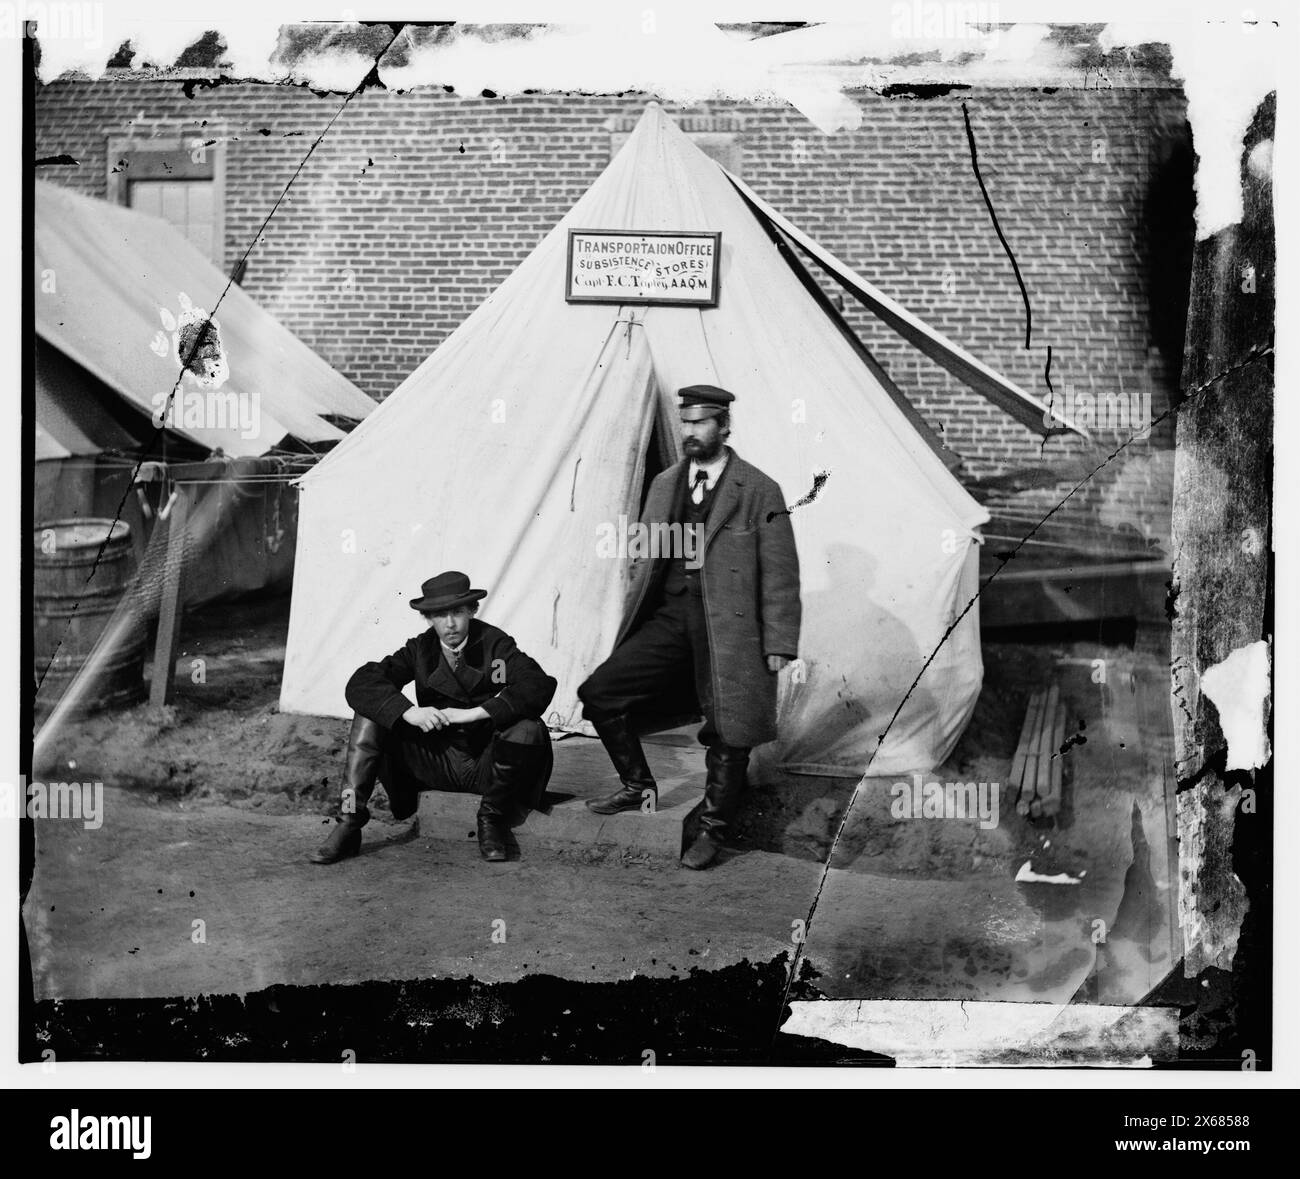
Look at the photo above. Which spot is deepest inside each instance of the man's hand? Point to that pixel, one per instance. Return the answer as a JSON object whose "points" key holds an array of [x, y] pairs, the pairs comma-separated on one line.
{"points": [[776, 662], [427, 719]]}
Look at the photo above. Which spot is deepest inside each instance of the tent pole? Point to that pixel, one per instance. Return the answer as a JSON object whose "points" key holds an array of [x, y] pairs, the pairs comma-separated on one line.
{"points": [[162, 689]]}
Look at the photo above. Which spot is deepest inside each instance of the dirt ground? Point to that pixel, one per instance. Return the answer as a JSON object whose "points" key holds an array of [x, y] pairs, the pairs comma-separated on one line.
{"points": [[211, 808]]}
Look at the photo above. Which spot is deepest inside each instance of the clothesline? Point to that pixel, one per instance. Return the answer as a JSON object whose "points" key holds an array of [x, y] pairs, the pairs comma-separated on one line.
{"points": [[1050, 544], [236, 479], [290, 470]]}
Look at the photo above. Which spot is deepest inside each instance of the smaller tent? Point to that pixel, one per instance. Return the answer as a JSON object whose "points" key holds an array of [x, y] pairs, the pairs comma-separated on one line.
{"points": [[113, 291], [111, 288]]}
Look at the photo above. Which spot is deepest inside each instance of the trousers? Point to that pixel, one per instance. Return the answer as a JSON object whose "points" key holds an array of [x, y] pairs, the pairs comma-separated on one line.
{"points": [[669, 650], [672, 644], [509, 769]]}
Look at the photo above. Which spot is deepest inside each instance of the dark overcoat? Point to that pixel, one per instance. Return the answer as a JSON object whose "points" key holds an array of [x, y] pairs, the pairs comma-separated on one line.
{"points": [[494, 675], [750, 581]]}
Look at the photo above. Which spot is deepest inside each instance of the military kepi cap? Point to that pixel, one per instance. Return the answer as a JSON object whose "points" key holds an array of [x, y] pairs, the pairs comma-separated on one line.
{"points": [[446, 592], [703, 401]]}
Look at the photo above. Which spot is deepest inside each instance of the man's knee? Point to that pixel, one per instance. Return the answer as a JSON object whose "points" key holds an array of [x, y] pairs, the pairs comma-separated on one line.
{"points": [[602, 692], [525, 732], [591, 695], [365, 732], [590, 687]]}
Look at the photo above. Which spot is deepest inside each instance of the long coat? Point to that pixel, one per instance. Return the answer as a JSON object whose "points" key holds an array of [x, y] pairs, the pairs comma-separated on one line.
{"points": [[750, 582]]}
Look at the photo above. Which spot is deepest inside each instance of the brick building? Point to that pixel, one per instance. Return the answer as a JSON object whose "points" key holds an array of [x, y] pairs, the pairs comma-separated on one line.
{"points": [[416, 205]]}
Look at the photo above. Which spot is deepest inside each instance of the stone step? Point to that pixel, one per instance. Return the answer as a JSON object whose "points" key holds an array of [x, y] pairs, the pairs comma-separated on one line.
{"points": [[582, 771]]}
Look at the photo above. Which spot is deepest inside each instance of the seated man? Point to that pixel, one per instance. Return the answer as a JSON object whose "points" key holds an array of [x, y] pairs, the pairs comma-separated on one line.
{"points": [[476, 727]]}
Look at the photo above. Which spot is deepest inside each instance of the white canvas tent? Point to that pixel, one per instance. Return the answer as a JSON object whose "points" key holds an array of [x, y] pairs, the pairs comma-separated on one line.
{"points": [[110, 282], [529, 428]]}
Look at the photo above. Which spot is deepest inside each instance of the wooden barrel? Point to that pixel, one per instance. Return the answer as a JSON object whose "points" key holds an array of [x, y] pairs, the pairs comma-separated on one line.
{"points": [[71, 612]]}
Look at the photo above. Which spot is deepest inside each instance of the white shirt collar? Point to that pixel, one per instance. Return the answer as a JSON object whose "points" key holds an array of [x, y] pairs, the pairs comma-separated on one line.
{"points": [[455, 650], [711, 469]]}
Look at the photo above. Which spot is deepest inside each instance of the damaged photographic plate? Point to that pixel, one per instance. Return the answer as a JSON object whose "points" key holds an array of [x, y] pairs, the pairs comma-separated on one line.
{"points": [[648, 539]]}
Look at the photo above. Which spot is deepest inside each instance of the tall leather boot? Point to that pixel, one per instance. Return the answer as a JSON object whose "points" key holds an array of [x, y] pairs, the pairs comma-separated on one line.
{"points": [[624, 749], [508, 795], [360, 774], [706, 827]]}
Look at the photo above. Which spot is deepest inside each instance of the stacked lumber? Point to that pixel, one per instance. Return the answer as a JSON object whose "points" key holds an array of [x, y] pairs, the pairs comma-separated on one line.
{"points": [[1037, 769]]}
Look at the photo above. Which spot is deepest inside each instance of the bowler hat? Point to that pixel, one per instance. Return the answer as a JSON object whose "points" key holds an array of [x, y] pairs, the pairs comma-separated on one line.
{"points": [[704, 401], [446, 592]]}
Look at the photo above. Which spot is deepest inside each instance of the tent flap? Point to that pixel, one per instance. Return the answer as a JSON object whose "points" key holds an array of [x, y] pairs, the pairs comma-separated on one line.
{"points": [[1026, 409]]}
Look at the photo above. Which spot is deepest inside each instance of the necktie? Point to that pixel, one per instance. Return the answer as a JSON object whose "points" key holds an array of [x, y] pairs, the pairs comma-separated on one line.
{"points": [[697, 488], [453, 658]]}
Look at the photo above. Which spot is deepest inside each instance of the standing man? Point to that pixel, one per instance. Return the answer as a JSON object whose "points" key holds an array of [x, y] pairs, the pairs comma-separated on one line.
{"points": [[476, 727], [724, 609]]}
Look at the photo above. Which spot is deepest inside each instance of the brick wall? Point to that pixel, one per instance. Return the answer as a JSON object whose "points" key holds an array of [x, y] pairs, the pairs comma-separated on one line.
{"points": [[416, 206]]}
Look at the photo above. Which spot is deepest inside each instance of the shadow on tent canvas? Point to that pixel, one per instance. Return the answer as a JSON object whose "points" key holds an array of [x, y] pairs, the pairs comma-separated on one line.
{"points": [[797, 814]]}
